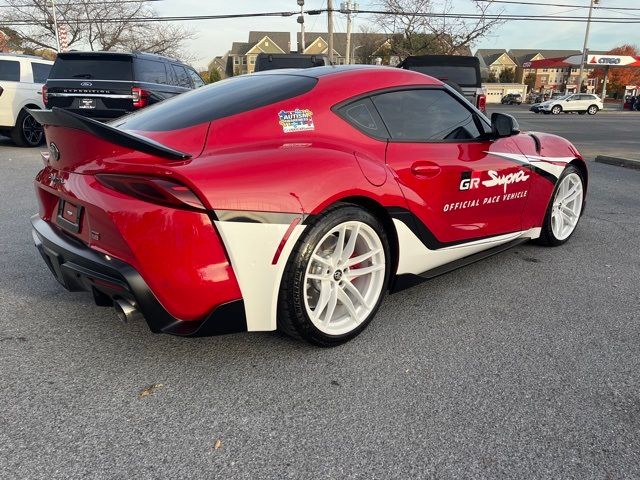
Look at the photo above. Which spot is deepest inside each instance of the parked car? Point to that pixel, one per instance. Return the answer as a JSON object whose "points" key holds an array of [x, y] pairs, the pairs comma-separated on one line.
{"points": [[574, 102], [204, 223], [21, 80], [107, 85], [458, 71], [274, 61], [511, 99]]}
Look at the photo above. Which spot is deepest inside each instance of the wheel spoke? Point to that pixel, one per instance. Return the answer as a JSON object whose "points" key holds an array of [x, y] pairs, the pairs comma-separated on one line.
{"points": [[351, 243], [337, 253], [362, 258], [570, 214], [358, 272], [331, 305], [322, 260], [346, 301], [323, 300], [316, 276], [356, 293]]}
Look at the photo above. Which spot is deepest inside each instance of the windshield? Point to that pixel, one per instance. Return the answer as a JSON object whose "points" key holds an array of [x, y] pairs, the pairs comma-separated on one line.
{"points": [[98, 67]]}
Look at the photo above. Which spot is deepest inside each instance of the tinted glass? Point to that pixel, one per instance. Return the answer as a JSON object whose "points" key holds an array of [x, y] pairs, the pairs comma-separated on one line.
{"points": [[98, 67], [425, 115], [150, 71], [181, 74], [10, 70], [276, 63], [463, 76], [218, 100], [40, 72], [363, 116], [197, 81]]}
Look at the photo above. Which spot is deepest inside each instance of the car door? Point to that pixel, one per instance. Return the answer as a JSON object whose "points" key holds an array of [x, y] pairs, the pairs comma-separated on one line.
{"points": [[573, 104], [458, 181]]}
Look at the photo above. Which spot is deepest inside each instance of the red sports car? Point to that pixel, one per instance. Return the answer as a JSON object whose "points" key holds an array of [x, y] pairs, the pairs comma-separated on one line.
{"points": [[292, 199]]}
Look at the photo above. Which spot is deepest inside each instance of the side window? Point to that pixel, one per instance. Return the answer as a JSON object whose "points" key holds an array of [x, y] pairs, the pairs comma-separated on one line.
{"points": [[426, 115], [10, 70], [183, 77], [197, 81], [40, 72], [150, 71], [363, 116]]}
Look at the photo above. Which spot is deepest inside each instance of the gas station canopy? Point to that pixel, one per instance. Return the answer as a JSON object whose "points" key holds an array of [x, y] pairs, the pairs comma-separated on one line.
{"points": [[593, 61]]}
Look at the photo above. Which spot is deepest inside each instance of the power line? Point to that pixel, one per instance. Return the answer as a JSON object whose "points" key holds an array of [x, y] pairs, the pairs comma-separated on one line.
{"points": [[541, 4], [466, 16]]}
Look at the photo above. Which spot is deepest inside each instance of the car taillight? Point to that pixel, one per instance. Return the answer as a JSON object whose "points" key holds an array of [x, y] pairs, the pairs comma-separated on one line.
{"points": [[482, 100], [154, 190], [45, 97], [140, 97]]}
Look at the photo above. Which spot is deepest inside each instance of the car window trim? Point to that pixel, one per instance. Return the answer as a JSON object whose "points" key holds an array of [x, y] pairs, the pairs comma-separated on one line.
{"points": [[476, 115], [340, 107]]}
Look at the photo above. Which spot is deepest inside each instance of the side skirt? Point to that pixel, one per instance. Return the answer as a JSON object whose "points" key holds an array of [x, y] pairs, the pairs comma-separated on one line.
{"points": [[407, 280]]}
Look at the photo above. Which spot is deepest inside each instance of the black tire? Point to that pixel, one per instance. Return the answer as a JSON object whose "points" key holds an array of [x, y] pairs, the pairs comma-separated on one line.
{"points": [[592, 110], [27, 132], [547, 237], [556, 110], [292, 315]]}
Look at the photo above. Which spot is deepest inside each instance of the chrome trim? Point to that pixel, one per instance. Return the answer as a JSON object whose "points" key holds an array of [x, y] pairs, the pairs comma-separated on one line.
{"points": [[85, 95]]}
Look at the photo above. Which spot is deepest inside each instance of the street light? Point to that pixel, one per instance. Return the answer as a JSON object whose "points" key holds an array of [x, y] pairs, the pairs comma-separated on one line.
{"points": [[586, 40]]}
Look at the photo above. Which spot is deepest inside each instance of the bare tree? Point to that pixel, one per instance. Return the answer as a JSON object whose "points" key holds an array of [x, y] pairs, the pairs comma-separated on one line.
{"points": [[415, 27], [369, 45], [91, 25]]}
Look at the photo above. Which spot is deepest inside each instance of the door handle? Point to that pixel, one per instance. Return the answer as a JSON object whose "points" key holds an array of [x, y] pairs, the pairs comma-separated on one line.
{"points": [[425, 169]]}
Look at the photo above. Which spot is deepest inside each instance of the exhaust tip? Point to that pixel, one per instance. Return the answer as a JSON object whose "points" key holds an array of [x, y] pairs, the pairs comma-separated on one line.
{"points": [[125, 311]]}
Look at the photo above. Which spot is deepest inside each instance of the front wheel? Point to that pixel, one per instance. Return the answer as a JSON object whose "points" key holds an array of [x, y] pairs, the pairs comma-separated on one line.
{"points": [[592, 110], [565, 208], [556, 110], [27, 132], [336, 277]]}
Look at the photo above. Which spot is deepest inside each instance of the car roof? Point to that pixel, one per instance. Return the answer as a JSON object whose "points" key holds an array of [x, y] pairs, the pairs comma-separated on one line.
{"points": [[26, 57], [136, 54], [327, 70]]}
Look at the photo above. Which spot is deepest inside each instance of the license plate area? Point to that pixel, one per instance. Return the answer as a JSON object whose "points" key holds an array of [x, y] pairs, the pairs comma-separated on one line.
{"points": [[87, 103], [69, 216]]}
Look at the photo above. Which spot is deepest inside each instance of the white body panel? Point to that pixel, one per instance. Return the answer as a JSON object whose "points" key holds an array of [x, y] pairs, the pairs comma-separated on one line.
{"points": [[18, 95], [416, 258], [251, 248]]}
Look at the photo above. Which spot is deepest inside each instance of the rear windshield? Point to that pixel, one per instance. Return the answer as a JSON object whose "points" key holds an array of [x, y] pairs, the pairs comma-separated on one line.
{"points": [[288, 62], [463, 76], [97, 67], [218, 100]]}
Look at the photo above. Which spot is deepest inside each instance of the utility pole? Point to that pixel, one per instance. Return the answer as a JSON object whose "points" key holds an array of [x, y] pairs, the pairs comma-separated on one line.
{"points": [[586, 40], [348, 8], [330, 28], [55, 23], [302, 45]]}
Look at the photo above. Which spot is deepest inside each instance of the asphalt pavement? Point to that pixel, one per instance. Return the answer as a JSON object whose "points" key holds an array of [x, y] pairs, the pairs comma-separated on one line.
{"points": [[524, 365]]}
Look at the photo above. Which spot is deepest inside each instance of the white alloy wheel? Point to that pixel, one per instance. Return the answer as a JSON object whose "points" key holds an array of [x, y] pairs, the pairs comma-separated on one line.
{"points": [[567, 206], [344, 278], [556, 109], [592, 110]]}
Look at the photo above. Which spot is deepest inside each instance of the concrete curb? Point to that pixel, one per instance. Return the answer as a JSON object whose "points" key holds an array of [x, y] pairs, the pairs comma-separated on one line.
{"points": [[618, 162]]}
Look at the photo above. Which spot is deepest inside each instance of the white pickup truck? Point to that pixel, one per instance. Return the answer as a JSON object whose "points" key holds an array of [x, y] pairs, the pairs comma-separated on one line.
{"points": [[21, 81]]}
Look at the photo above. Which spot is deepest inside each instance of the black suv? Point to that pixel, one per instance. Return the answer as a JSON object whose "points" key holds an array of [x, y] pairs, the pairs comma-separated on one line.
{"points": [[107, 85], [511, 98]]}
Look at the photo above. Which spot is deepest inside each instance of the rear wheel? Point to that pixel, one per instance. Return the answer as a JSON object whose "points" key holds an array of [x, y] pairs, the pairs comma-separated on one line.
{"points": [[565, 208], [592, 110], [557, 109], [336, 277], [27, 132]]}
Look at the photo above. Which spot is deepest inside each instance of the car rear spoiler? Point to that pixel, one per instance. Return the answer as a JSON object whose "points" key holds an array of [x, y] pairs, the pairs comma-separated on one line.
{"points": [[59, 117]]}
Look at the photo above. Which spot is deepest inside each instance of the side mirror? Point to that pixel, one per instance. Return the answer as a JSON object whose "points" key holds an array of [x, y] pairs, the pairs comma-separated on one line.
{"points": [[503, 125]]}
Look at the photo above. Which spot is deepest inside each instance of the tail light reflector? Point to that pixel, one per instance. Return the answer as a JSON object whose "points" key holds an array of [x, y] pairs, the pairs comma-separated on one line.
{"points": [[482, 100], [156, 190], [45, 97], [140, 97]]}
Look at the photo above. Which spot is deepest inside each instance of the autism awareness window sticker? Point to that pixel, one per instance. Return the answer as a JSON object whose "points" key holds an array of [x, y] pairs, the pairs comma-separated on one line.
{"points": [[298, 120]]}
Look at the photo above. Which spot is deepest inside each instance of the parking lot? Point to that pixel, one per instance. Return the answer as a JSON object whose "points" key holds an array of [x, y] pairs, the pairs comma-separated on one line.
{"points": [[524, 365]]}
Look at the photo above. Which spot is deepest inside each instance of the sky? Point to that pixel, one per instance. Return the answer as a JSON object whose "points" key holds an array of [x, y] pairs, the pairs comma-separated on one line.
{"points": [[214, 37]]}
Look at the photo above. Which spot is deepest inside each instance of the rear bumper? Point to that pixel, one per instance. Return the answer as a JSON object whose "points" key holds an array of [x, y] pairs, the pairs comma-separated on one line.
{"points": [[79, 268]]}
